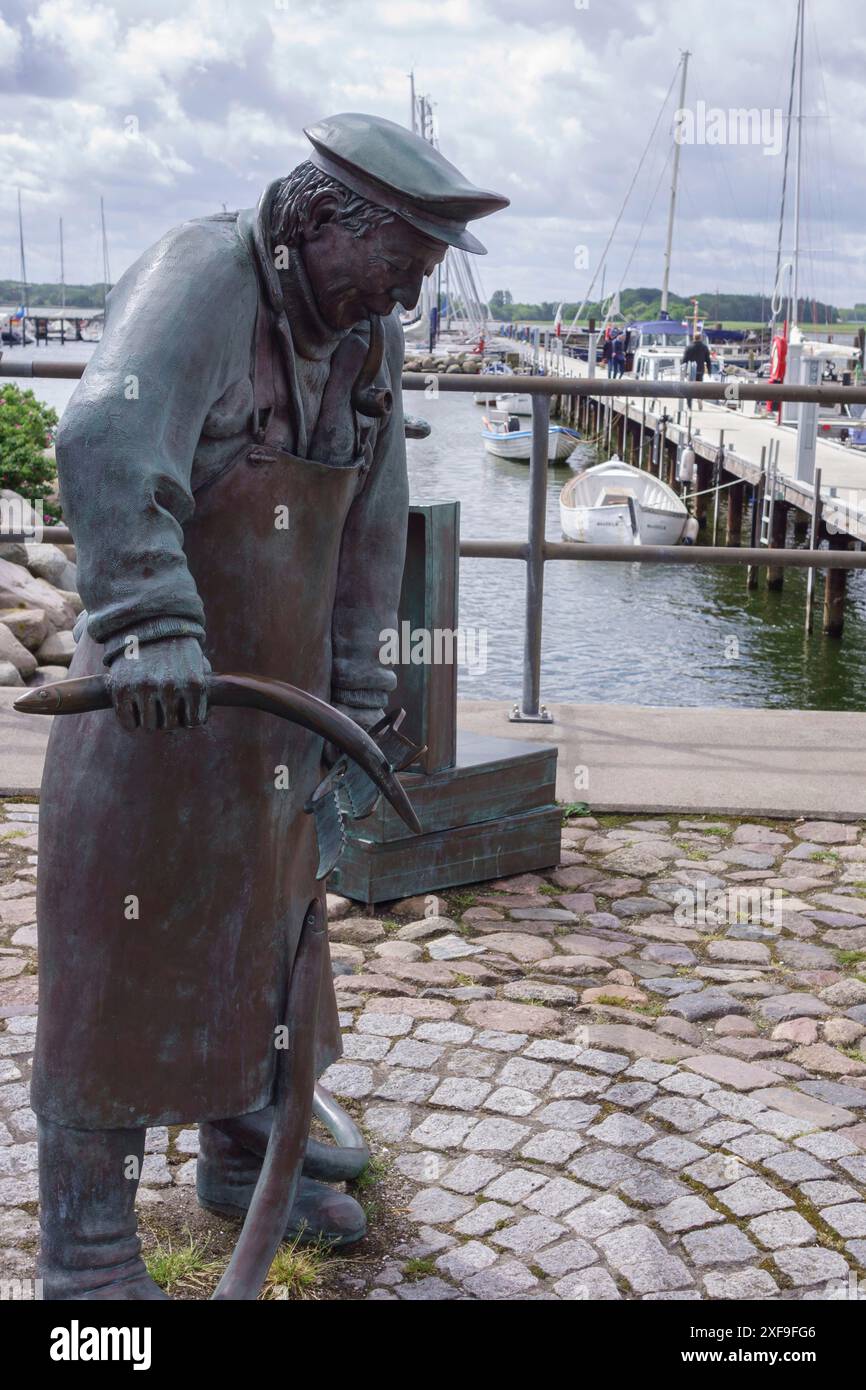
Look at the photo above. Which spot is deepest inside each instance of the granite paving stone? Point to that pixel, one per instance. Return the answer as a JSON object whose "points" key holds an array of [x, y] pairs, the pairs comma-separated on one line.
{"points": [[640, 1257], [595, 1218], [812, 1265], [796, 1167], [511, 1100], [508, 1279], [623, 1131], [552, 1146], [466, 1259], [685, 1214], [822, 1194], [718, 1245], [435, 1205], [849, 1219], [741, 1285], [556, 1196], [752, 1197], [672, 1152], [782, 1229], [402, 1084], [526, 1236], [568, 1255], [483, 1219], [514, 1185], [588, 1285], [471, 1174], [495, 1136], [685, 1115], [652, 1188], [459, 1092]]}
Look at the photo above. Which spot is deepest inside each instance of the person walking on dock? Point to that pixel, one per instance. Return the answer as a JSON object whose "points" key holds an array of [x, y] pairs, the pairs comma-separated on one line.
{"points": [[617, 357], [698, 353], [606, 352]]}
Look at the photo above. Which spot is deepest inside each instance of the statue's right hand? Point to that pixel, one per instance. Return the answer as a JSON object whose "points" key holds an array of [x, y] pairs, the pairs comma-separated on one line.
{"points": [[163, 686]]}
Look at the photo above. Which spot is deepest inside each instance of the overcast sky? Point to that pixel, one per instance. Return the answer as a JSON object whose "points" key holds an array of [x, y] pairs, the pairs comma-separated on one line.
{"points": [[171, 108]]}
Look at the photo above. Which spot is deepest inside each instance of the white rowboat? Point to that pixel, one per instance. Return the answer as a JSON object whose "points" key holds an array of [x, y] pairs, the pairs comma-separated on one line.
{"points": [[505, 440], [515, 404], [616, 504]]}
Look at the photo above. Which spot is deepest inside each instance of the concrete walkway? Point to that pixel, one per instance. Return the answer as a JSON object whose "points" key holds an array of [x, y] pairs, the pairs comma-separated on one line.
{"points": [[723, 761], [637, 759], [23, 739]]}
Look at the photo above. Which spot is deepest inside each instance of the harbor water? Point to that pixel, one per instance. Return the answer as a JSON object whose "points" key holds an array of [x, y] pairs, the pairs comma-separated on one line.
{"points": [[613, 633]]}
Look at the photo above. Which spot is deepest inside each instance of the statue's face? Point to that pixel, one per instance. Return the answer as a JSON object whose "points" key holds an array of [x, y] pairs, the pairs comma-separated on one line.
{"points": [[353, 277]]}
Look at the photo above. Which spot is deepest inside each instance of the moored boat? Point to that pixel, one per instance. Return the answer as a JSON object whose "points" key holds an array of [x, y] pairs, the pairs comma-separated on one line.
{"points": [[504, 438], [515, 404], [616, 504]]}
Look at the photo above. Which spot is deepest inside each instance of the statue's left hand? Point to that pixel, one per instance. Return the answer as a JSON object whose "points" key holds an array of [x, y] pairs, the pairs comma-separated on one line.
{"points": [[163, 687], [365, 717]]}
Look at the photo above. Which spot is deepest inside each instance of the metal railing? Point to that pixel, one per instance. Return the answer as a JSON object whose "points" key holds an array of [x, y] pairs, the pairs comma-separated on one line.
{"points": [[536, 550]]}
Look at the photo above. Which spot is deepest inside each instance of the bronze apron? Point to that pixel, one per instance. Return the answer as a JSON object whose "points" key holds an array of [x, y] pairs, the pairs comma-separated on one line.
{"points": [[175, 868]]}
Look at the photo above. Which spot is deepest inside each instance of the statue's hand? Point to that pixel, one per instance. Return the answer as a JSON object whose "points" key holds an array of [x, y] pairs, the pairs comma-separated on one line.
{"points": [[163, 687], [365, 717]]}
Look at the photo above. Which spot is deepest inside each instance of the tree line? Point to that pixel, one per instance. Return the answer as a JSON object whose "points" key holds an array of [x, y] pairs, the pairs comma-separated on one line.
{"points": [[645, 303], [77, 296]]}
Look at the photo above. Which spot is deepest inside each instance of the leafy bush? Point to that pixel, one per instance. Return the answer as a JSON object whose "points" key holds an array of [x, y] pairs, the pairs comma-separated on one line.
{"points": [[26, 430]]}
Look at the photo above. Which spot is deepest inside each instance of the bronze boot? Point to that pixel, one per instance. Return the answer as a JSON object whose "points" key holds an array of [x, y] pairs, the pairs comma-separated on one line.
{"points": [[226, 1175], [87, 1183]]}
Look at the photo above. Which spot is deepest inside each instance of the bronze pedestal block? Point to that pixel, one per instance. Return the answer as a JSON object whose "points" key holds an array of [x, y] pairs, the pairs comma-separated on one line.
{"points": [[488, 807]]}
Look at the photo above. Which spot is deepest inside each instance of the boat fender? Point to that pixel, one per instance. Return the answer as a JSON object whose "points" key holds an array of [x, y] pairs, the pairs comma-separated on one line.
{"points": [[690, 534], [686, 465]]}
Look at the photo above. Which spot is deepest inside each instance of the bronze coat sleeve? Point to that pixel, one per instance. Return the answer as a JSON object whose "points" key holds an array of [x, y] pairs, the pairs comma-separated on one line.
{"points": [[178, 331]]}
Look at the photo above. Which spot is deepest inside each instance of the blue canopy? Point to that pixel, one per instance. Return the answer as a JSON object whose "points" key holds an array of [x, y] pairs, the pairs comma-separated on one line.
{"points": [[671, 326]]}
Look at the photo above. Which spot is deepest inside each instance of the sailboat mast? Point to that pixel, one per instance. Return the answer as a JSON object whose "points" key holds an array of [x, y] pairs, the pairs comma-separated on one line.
{"points": [[106, 272], [674, 177], [412, 100], [801, 21], [62, 271], [24, 289]]}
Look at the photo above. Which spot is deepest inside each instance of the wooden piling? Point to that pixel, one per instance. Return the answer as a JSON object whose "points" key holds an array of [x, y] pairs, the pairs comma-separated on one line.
{"points": [[834, 592], [775, 573], [734, 524], [752, 571], [703, 480]]}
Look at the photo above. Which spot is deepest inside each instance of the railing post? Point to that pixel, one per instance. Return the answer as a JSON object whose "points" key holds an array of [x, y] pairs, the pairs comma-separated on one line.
{"points": [[529, 710], [813, 541]]}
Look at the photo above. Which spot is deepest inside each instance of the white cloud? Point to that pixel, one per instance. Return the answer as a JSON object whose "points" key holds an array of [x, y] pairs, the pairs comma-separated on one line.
{"points": [[10, 44]]}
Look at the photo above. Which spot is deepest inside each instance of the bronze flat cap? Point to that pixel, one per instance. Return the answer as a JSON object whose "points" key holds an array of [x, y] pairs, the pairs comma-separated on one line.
{"points": [[388, 165]]}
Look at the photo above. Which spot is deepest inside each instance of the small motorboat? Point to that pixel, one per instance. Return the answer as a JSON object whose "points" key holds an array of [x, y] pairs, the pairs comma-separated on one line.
{"points": [[515, 404], [504, 438], [616, 504], [489, 398]]}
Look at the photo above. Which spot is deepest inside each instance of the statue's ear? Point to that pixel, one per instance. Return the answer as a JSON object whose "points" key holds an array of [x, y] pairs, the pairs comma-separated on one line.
{"points": [[320, 211]]}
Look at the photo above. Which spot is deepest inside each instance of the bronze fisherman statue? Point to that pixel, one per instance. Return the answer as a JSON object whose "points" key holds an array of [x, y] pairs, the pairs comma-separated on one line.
{"points": [[233, 469]]}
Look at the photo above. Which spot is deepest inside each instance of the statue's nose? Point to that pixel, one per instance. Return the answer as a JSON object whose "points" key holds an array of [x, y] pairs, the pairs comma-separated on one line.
{"points": [[407, 294]]}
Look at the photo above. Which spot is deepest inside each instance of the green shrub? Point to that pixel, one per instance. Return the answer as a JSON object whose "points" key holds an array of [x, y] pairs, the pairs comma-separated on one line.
{"points": [[26, 430]]}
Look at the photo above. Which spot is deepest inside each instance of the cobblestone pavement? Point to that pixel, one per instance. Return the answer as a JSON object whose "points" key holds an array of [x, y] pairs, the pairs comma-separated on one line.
{"points": [[640, 1076]]}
